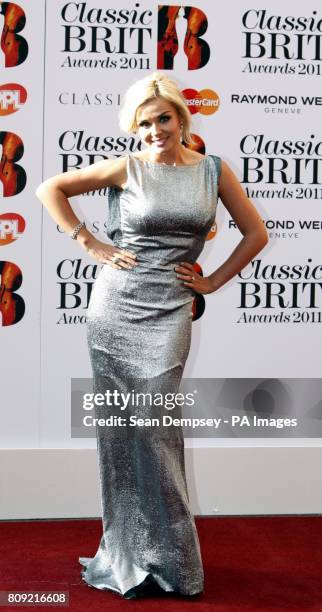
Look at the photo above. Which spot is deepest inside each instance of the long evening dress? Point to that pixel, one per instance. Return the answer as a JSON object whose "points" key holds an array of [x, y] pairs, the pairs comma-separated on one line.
{"points": [[139, 333]]}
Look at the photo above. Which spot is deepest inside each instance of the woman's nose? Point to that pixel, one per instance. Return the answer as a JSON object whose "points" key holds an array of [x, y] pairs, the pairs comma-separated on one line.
{"points": [[155, 128]]}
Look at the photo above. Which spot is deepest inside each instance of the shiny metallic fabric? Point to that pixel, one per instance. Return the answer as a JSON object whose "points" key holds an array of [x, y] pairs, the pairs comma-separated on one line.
{"points": [[139, 333]]}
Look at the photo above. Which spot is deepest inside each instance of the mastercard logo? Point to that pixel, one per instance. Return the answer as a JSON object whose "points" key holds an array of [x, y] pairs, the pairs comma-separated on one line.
{"points": [[205, 101], [12, 226], [12, 97], [212, 232]]}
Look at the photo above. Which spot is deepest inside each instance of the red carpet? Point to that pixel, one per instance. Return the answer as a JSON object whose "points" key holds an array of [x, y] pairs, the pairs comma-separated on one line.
{"points": [[251, 563]]}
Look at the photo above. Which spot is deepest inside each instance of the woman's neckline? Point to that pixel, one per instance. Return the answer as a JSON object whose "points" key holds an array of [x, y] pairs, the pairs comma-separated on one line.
{"points": [[164, 165]]}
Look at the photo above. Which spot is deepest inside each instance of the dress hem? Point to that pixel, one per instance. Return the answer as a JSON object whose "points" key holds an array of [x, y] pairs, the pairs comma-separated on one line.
{"points": [[151, 585]]}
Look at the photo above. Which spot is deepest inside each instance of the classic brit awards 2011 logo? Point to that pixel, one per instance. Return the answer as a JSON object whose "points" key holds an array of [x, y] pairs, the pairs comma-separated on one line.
{"points": [[287, 293], [282, 44]]}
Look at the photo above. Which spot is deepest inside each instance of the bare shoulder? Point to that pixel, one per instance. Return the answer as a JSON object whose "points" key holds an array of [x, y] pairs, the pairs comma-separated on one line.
{"points": [[104, 173], [236, 201], [227, 175]]}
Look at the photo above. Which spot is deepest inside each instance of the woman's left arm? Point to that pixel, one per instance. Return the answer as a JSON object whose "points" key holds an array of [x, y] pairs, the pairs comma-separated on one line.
{"points": [[250, 224]]}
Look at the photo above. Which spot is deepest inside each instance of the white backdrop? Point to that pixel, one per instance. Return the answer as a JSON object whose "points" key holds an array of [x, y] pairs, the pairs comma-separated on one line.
{"points": [[266, 72]]}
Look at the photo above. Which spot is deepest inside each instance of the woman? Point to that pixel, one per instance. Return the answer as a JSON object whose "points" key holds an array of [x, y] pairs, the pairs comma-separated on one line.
{"points": [[162, 203]]}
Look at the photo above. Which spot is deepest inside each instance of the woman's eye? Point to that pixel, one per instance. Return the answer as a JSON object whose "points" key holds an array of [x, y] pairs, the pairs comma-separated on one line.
{"points": [[145, 124]]}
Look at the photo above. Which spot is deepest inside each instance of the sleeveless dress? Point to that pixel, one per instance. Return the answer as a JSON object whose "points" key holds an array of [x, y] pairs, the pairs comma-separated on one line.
{"points": [[139, 331]]}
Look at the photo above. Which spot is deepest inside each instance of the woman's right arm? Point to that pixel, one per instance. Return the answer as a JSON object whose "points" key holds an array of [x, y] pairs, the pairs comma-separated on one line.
{"points": [[55, 191]]}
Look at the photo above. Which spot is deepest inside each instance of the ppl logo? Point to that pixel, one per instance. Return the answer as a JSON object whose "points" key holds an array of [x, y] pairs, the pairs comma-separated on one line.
{"points": [[12, 305], [205, 101], [12, 226], [196, 49], [12, 175], [12, 97], [14, 47], [197, 145]]}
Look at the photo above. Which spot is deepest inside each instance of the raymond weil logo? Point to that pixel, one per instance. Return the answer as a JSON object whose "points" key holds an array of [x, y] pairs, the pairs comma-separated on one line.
{"points": [[12, 97], [277, 103]]}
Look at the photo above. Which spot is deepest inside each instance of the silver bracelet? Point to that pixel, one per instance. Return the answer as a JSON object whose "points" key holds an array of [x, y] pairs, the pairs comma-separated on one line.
{"points": [[77, 229]]}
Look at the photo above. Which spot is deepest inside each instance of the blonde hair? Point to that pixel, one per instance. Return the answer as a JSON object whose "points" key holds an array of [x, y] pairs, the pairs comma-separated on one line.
{"points": [[150, 87]]}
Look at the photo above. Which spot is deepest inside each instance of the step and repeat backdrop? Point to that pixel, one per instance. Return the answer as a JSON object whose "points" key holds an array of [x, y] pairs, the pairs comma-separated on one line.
{"points": [[251, 76]]}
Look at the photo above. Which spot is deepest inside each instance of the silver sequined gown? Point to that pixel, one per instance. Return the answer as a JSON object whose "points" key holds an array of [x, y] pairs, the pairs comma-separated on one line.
{"points": [[139, 332]]}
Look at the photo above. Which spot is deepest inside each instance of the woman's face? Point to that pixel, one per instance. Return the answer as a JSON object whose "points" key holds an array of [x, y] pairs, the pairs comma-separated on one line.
{"points": [[159, 125]]}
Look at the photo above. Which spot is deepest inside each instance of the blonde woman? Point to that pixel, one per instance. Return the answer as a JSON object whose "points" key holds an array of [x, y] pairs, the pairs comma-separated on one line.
{"points": [[161, 205]]}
